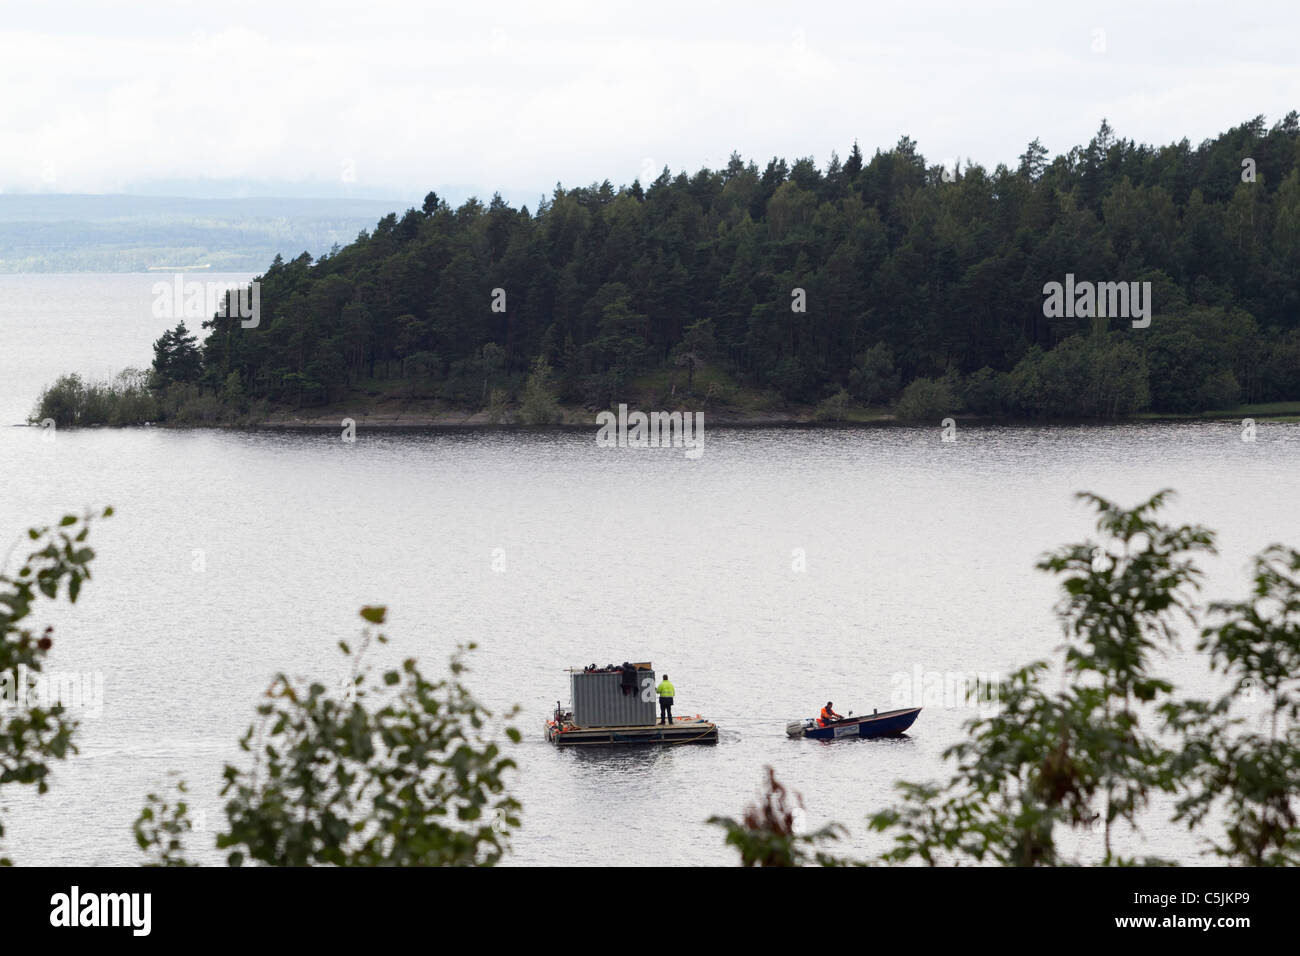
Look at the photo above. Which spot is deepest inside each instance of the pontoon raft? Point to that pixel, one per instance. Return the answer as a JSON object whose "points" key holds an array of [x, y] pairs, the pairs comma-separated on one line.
{"points": [[618, 705]]}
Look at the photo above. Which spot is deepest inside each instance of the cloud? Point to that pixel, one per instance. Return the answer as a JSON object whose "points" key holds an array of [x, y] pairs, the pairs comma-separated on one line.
{"points": [[518, 96]]}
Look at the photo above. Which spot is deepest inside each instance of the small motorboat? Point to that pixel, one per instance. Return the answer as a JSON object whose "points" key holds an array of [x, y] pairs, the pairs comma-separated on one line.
{"points": [[892, 723]]}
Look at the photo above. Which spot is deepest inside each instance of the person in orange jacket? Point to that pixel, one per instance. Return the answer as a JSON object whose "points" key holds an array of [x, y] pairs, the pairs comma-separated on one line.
{"points": [[828, 715]]}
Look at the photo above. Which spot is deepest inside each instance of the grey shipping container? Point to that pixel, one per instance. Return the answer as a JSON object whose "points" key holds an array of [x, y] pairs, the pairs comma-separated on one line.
{"points": [[598, 699]]}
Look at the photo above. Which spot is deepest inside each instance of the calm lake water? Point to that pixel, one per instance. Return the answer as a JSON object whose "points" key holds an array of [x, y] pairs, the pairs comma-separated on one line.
{"points": [[236, 555]]}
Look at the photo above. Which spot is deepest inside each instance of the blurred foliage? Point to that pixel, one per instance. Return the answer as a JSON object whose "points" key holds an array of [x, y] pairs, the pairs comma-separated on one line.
{"points": [[34, 732], [397, 770], [772, 831], [1252, 778], [1095, 745]]}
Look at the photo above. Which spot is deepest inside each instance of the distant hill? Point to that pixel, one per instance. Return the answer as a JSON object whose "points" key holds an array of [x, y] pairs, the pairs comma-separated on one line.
{"points": [[130, 233]]}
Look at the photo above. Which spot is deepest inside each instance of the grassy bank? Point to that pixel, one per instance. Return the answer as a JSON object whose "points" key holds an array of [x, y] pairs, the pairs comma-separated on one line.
{"points": [[128, 399], [1274, 411]]}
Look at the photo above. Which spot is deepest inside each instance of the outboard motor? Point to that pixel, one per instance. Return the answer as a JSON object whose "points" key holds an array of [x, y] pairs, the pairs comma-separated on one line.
{"points": [[794, 728]]}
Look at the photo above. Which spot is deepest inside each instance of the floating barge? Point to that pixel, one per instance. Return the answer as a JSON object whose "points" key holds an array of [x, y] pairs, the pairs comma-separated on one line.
{"points": [[618, 706]]}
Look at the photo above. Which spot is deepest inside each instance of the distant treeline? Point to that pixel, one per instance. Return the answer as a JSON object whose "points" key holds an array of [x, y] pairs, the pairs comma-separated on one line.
{"points": [[922, 288]]}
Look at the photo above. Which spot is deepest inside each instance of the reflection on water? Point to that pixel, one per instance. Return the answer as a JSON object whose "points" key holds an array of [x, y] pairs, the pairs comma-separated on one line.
{"points": [[600, 761]]}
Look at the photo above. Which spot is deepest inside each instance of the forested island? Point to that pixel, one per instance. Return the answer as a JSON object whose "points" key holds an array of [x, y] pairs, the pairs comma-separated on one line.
{"points": [[870, 288]]}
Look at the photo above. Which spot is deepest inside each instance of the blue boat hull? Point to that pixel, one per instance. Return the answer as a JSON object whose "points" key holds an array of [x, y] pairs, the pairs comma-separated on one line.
{"points": [[892, 723]]}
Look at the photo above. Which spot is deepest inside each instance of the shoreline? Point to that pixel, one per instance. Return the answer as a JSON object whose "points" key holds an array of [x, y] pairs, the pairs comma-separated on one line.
{"points": [[449, 421]]}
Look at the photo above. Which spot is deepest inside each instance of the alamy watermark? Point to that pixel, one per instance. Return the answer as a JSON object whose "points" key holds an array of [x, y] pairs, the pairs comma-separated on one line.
{"points": [[951, 690], [1086, 300], [128, 910], [24, 689], [654, 430], [179, 299]]}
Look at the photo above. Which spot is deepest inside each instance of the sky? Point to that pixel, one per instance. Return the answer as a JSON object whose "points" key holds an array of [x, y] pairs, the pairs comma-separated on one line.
{"points": [[389, 98]]}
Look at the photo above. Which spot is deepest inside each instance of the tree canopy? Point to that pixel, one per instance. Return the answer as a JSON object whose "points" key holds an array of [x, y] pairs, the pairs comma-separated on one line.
{"points": [[905, 271]]}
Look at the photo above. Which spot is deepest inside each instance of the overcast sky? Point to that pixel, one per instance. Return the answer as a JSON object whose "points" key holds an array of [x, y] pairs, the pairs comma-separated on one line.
{"points": [[392, 98]]}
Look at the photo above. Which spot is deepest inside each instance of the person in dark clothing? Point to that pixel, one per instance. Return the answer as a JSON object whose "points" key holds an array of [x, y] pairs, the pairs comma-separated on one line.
{"points": [[628, 680]]}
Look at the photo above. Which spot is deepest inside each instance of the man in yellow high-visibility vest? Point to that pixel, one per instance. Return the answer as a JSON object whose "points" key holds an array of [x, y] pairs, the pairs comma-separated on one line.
{"points": [[665, 691]]}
